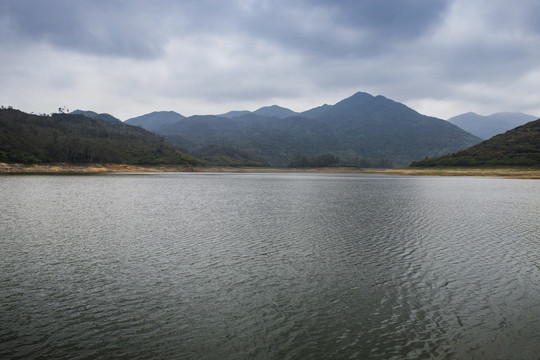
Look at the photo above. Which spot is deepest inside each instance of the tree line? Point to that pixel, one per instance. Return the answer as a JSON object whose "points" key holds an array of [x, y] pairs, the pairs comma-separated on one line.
{"points": [[329, 160], [61, 137], [303, 161]]}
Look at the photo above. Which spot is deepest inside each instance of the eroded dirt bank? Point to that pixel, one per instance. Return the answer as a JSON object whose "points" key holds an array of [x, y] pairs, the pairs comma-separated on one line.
{"points": [[65, 168]]}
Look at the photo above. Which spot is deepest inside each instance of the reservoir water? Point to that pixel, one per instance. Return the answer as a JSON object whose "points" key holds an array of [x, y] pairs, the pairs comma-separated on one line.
{"points": [[269, 266]]}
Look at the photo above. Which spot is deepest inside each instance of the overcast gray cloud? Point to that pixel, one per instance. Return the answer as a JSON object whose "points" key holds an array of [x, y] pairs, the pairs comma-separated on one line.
{"points": [[130, 57]]}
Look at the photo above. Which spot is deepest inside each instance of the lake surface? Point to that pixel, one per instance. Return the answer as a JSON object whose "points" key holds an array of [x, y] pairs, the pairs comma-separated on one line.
{"points": [[269, 266]]}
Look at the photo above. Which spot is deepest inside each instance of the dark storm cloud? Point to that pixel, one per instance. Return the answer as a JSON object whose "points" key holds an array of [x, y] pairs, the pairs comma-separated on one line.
{"points": [[103, 27], [336, 28], [443, 56], [390, 19], [142, 28]]}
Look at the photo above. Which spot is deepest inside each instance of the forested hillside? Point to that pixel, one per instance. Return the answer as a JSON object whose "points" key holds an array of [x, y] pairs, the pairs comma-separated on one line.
{"points": [[361, 130], [516, 147], [76, 138]]}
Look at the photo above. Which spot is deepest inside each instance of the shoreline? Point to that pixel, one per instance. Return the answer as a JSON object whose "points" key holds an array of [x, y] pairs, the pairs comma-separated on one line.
{"points": [[68, 168], [65, 168], [499, 172]]}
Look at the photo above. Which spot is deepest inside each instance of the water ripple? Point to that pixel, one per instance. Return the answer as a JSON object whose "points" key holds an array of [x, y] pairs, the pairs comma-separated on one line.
{"points": [[268, 266]]}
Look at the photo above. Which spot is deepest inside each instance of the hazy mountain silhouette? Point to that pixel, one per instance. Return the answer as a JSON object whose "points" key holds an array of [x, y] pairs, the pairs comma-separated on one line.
{"points": [[105, 117], [490, 125], [275, 111], [155, 119], [519, 146], [235, 113], [270, 111]]}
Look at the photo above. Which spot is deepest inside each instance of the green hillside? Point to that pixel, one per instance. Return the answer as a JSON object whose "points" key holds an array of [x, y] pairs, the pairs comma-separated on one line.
{"points": [[222, 155], [361, 130], [76, 138], [516, 147]]}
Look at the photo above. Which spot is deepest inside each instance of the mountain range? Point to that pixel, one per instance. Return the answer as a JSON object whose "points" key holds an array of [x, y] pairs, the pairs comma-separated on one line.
{"points": [[362, 130], [272, 111], [487, 126], [516, 147]]}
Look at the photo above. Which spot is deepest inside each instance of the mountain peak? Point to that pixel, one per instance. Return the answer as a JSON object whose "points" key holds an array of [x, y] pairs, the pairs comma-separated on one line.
{"points": [[275, 111], [156, 119], [359, 97], [362, 94]]}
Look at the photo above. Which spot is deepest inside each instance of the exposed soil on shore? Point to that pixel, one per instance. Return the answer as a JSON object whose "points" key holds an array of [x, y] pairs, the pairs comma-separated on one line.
{"points": [[507, 172], [65, 168]]}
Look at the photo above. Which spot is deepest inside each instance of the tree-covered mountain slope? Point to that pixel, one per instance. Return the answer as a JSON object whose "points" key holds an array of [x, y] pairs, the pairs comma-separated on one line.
{"points": [[76, 138], [359, 128], [377, 127], [519, 146]]}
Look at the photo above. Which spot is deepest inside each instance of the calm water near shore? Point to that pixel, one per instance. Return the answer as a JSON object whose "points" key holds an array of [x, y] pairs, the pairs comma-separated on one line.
{"points": [[269, 266]]}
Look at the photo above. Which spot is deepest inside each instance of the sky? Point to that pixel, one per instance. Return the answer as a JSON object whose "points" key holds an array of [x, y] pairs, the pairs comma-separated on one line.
{"points": [[132, 57]]}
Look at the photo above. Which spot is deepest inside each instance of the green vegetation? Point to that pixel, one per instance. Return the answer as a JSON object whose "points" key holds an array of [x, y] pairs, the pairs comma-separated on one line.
{"points": [[221, 155], [516, 147], [362, 130], [302, 161], [76, 138], [329, 160]]}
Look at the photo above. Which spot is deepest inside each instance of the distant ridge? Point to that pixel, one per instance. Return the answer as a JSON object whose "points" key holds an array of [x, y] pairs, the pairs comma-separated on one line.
{"points": [[275, 111], [490, 125], [270, 111], [519, 146], [105, 117], [235, 113], [316, 112], [155, 120]]}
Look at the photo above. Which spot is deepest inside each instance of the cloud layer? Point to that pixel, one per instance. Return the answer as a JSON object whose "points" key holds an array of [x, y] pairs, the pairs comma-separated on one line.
{"points": [[130, 57]]}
